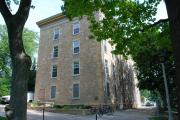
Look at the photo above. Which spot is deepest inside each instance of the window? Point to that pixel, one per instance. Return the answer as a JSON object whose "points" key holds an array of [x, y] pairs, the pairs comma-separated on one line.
{"points": [[114, 72], [105, 46], [107, 89], [54, 71], [76, 68], [56, 34], [76, 28], [55, 51], [53, 91], [114, 57], [76, 46], [106, 69], [115, 90], [76, 90]]}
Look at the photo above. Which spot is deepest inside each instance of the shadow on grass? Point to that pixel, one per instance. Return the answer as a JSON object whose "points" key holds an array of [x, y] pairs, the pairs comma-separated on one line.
{"points": [[158, 118], [2, 118]]}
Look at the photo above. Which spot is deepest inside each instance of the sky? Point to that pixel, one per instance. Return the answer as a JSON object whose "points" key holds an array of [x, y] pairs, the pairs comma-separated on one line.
{"points": [[46, 8], [42, 10]]}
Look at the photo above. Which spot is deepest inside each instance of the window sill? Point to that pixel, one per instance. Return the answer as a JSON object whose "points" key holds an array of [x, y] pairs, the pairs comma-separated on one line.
{"points": [[53, 78], [54, 58], [52, 98], [76, 53], [76, 75], [56, 40], [76, 98], [76, 34]]}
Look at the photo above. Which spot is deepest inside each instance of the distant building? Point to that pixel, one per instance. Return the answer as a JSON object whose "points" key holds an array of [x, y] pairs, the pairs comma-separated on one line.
{"points": [[72, 69]]}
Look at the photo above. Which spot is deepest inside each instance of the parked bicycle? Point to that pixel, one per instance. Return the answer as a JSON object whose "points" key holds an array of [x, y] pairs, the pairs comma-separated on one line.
{"points": [[101, 110]]}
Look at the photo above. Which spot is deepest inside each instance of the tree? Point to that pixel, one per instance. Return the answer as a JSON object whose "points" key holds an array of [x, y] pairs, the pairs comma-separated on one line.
{"points": [[125, 20], [4, 56], [21, 62], [30, 42], [153, 43], [32, 77]]}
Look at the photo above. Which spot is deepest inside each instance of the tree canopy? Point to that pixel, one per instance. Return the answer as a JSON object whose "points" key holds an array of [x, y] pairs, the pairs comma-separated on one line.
{"points": [[30, 43], [123, 22]]}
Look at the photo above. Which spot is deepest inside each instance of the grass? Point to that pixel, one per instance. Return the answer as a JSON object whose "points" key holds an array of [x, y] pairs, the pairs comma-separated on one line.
{"points": [[2, 118], [158, 118]]}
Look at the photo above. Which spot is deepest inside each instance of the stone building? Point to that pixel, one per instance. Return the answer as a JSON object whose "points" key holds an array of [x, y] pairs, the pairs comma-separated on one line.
{"points": [[72, 69]]}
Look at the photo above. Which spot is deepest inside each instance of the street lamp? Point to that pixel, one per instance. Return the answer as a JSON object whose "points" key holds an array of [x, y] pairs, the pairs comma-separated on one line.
{"points": [[170, 117]]}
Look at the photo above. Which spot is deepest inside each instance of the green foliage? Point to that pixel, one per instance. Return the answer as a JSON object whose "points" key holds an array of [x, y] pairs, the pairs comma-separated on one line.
{"points": [[151, 95], [2, 118], [158, 118], [32, 77], [30, 39], [30, 43], [123, 21]]}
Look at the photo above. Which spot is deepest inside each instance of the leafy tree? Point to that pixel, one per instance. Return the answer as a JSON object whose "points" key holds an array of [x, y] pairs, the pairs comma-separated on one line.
{"points": [[150, 69], [30, 42], [21, 62], [32, 77], [4, 70], [125, 20]]}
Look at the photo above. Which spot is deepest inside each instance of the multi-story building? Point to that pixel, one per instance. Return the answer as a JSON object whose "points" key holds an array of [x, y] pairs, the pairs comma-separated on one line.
{"points": [[73, 69]]}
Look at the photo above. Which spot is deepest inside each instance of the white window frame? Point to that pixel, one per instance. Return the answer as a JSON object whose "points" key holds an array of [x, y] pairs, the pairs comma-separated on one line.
{"points": [[52, 71], [73, 68], [74, 27], [51, 91], [54, 51], [54, 33], [73, 91], [74, 46]]}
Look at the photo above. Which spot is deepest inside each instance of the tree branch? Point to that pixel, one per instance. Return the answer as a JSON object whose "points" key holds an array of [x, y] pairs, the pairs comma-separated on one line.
{"points": [[4, 10], [158, 22], [154, 24], [23, 11]]}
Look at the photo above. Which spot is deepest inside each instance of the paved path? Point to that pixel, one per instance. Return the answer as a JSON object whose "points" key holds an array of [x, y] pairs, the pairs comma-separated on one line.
{"points": [[119, 115]]}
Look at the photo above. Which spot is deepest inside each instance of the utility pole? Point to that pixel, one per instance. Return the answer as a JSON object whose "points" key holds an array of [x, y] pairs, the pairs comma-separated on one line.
{"points": [[170, 117]]}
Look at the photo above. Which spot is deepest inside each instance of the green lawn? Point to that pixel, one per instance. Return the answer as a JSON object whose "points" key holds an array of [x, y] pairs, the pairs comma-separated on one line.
{"points": [[2, 118], [158, 118]]}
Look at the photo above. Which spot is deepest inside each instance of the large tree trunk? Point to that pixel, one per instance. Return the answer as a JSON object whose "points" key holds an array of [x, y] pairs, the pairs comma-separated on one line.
{"points": [[173, 10], [20, 76], [21, 62]]}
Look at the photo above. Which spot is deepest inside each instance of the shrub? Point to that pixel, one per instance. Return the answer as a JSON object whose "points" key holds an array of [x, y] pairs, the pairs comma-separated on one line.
{"points": [[72, 106], [2, 118], [158, 118]]}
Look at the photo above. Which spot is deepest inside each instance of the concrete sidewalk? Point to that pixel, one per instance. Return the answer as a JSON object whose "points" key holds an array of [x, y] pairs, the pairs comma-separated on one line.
{"points": [[118, 115]]}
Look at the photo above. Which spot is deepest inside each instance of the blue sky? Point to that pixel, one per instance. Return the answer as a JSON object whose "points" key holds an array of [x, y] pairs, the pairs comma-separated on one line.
{"points": [[43, 9], [47, 8]]}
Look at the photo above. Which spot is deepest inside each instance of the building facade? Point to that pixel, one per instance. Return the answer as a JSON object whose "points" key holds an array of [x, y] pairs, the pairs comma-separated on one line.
{"points": [[73, 69]]}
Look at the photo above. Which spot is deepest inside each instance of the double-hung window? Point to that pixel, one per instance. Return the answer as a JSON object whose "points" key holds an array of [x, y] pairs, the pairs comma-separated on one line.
{"points": [[105, 46], [55, 51], [54, 71], [76, 28], [76, 70], [106, 68], [56, 35], [107, 89], [76, 46], [76, 91], [53, 92]]}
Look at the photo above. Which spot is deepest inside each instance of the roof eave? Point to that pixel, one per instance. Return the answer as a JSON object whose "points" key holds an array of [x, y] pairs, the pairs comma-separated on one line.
{"points": [[50, 19]]}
